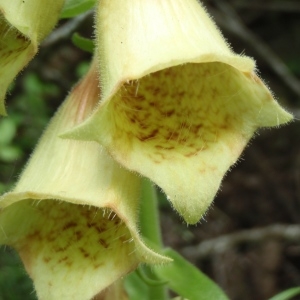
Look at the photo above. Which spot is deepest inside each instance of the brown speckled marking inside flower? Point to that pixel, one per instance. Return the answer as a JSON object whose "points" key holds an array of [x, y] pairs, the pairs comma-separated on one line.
{"points": [[183, 127], [185, 110], [12, 43], [64, 239]]}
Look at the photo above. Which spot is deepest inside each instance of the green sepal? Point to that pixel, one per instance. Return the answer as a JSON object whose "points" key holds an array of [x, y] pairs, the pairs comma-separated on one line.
{"points": [[149, 281], [186, 280], [136, 287]]}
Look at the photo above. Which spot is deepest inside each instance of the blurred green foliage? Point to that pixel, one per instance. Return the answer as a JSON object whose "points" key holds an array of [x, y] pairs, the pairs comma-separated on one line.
{"points": [[14, 282]]}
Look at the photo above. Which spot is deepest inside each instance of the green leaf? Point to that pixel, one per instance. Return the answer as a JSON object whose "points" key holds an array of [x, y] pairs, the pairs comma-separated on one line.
{"points": [[83, 43], [186, 280], [288, 294], [73, 8]]}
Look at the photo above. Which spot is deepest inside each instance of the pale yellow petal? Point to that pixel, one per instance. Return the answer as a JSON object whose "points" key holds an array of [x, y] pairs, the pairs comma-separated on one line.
{"points": [[73, 214], [23, 25], [138, 37], [183, 127]]}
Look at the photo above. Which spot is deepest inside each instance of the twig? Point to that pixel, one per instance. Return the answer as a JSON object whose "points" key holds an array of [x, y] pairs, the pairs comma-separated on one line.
{"points": [[64, 32], [220, 244], [231, 21]]}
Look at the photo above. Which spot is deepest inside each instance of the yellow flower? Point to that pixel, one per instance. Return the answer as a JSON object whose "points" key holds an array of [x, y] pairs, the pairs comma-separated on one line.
{"points": [[73, 214], [177, 105], [23, 25]]}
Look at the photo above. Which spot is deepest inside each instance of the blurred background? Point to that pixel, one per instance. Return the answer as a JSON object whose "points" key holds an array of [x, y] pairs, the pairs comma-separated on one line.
{"points": [[249, 241]]}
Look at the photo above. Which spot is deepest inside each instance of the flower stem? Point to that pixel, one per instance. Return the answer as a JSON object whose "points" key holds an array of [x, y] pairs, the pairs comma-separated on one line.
{"points": [[150, 229], [149, 216]]}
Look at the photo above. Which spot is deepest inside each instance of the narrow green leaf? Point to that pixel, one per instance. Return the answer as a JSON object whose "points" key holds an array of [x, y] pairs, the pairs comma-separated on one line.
{"points": [[83, 43], [73, 8], [288, 294], [186, 280]]}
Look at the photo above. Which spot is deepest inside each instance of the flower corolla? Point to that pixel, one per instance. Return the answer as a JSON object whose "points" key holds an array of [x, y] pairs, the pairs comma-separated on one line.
{"points": [[177, 105]]}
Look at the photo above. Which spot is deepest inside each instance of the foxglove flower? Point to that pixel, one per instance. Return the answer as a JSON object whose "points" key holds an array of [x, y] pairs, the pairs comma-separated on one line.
{"points": [[177, 105], [23, 25], [73, 213]]}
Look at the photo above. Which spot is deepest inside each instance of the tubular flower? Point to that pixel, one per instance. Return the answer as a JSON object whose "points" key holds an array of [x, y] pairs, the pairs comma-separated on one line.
{"points": [[73, 214], [177, 105], [23, 25]]}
